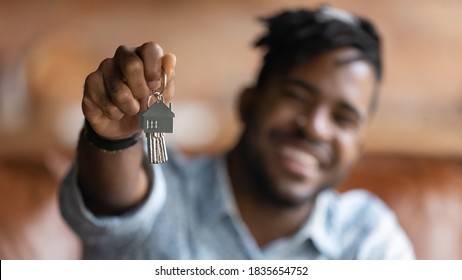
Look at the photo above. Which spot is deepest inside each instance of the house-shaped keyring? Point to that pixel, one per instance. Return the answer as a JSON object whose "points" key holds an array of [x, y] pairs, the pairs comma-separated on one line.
{"points": [[158, 118]]}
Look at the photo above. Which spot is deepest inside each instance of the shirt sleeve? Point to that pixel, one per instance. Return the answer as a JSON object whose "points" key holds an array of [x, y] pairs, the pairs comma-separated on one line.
{"points": [[110, 231]]}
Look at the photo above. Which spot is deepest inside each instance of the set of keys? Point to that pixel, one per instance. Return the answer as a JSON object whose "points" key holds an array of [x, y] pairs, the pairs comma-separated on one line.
{"points": [[156, 121]]}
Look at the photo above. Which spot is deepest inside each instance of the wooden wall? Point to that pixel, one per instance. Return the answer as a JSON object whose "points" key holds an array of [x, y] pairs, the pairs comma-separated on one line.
{"points": [[48, 47]]}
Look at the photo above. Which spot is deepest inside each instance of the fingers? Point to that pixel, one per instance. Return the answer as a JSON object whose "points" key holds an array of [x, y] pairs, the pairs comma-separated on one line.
{"points": [[130, 68], [151, 54], [121, 83], [95, 100], [169, 63], [118, 91]]}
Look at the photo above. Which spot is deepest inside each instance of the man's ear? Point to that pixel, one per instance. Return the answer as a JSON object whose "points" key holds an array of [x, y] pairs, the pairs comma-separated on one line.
{"points": [[246, 103]]}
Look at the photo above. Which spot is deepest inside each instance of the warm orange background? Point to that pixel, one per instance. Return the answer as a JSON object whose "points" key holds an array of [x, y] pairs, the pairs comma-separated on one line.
{"points": [[48, 47]]}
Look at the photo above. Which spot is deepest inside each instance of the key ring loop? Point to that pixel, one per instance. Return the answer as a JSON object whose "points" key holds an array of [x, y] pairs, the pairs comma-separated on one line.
{"points": [[160, 91]]}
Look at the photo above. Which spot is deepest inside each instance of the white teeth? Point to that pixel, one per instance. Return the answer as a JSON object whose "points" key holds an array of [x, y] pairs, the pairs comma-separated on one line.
{"points": [[300, 156]]}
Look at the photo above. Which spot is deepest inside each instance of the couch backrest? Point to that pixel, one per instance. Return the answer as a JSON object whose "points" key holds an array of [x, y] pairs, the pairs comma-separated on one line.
{"points": [[425, 193]]}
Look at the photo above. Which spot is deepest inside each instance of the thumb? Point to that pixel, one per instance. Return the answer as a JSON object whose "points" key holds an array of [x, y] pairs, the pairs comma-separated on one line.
{"points": [[169, 63]]}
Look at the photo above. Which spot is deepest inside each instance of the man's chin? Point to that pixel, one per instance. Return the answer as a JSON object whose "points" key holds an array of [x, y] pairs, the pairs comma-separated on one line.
{"points": [[292, 195], [286, 189]]}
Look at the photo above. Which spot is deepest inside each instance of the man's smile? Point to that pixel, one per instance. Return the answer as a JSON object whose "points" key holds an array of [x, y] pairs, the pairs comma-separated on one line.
{"points": [[299, 162], [301, 156]]}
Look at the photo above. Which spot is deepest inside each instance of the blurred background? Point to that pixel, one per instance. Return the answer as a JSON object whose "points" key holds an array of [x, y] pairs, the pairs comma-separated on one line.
{"points": [[48, 47]]}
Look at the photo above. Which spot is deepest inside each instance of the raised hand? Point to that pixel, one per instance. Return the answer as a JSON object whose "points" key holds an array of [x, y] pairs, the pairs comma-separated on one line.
{"points": [[118, 90]]}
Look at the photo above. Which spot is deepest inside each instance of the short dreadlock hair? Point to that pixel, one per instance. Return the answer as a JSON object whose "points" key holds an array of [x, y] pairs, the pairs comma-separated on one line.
{"points": [[297, 36]]}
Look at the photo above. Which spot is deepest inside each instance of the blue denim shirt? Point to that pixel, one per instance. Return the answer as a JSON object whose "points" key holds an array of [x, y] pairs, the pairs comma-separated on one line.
{"points": [[191, 213]]}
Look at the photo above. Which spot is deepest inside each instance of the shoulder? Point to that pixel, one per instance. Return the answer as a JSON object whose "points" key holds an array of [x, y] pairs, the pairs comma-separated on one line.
{"points": [[353, 214], [369, 229], [360, 203]]}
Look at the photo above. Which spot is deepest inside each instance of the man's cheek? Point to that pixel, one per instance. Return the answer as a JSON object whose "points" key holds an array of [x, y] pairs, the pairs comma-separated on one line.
{"points": [[350, 148]]}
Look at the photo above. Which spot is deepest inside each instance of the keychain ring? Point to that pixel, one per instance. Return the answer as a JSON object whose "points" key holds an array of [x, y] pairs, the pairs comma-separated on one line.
{"points": [[158, 92]]}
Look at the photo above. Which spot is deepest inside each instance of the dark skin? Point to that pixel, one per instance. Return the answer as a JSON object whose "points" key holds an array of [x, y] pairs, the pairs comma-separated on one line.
{"points": [[113, 97], [288, 161], [303, 132]]}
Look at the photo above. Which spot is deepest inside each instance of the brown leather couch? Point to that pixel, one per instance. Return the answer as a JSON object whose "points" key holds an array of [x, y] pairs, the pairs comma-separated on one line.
{"points": [[425, 193], [30, 224]]}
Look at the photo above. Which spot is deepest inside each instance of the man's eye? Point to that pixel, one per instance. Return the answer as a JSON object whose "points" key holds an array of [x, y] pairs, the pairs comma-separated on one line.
{"points": [[294, 95], [344, 120]]}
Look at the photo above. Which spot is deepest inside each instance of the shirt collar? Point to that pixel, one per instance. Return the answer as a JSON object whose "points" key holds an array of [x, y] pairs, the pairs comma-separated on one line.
{"points": [[318, 229]]}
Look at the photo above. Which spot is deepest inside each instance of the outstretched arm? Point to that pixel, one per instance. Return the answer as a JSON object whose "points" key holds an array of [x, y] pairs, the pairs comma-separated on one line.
{"points": [[114, 95]]}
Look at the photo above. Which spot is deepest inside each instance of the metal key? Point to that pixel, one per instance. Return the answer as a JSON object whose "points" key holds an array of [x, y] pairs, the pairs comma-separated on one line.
{"points": [[156, 121]]}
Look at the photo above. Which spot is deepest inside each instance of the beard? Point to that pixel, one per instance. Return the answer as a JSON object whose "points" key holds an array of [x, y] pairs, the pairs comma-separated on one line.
{"points": [[266, 189]]}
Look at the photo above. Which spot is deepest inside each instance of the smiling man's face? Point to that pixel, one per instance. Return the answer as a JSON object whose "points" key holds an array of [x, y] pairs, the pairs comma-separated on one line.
{"points": [[304, 129]]}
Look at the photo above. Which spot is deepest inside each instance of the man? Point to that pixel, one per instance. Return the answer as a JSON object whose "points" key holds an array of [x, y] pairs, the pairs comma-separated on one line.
{"points": [[271, 196]]}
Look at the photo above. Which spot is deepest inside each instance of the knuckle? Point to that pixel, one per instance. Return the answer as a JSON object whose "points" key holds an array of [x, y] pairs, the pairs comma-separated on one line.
{"points": [[133, 66], [105, 63], [87, 102], [150, 45], [157, 48], [122, 97], [115, 86], [93, 86], [91, 80], [152, 48], [129, 111], [122, 49], [102, 101], [87, 105], [125, 102], [113, 112]]}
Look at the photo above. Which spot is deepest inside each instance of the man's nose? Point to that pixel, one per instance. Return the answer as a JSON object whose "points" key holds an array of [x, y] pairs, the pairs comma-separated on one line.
{"points": [[315, 124]]}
